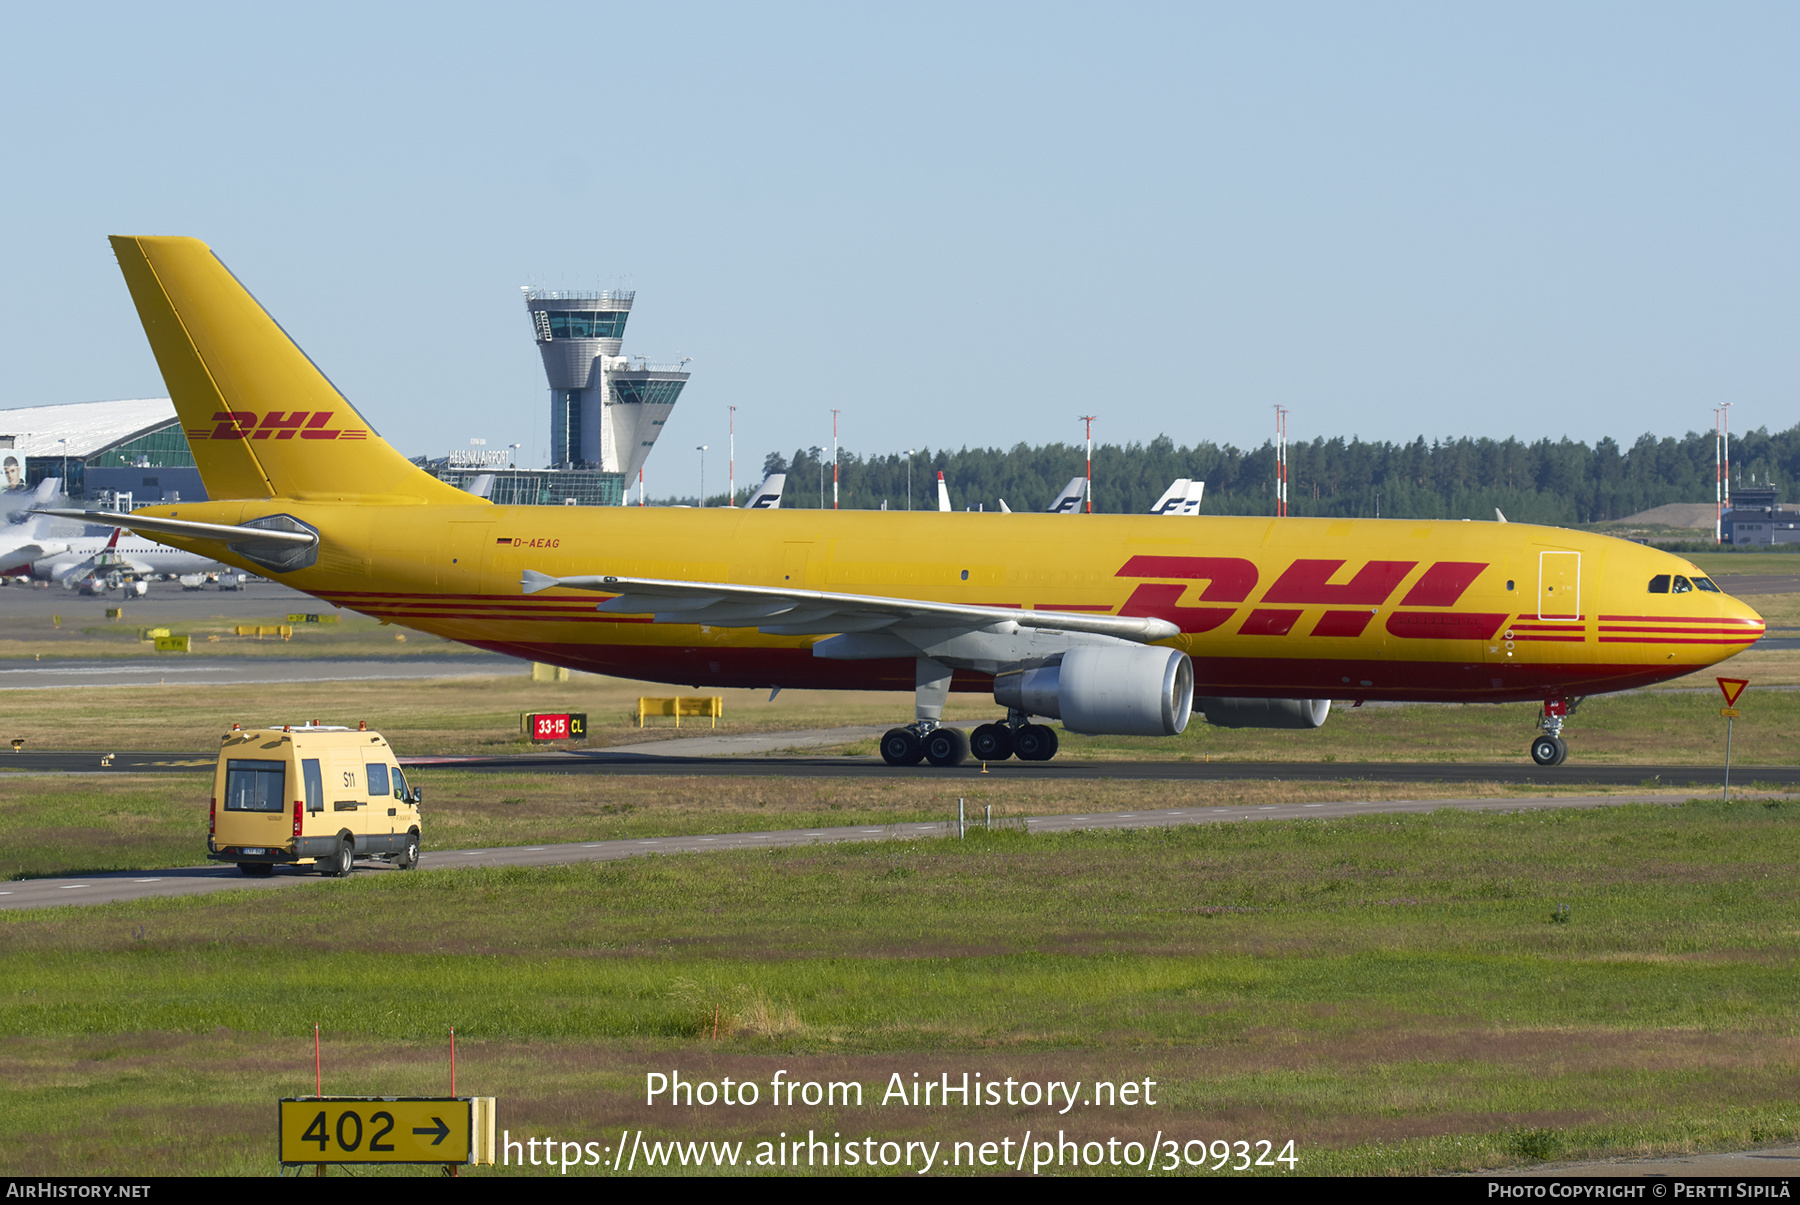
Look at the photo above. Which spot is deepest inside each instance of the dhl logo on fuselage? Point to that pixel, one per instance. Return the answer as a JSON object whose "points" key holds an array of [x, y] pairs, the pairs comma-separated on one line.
{"points": [[1305, 583], [276, 424]]}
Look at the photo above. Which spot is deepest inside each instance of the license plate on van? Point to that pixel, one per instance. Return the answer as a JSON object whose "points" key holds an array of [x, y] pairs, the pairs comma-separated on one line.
{"points": [[256, 851]]}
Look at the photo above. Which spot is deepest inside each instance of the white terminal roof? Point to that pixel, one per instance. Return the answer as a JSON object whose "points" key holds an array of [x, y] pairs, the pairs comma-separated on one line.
{"points": [[88, 426]]}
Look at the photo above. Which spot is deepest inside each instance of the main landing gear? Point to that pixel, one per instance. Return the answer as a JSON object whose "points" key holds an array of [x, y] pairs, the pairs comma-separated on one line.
{"points": [[945, 746], [1550, 749], [927, 738]]}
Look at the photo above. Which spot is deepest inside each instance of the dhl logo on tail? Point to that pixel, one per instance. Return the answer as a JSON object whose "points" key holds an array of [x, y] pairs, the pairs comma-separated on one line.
{"points": [[307, 424]]}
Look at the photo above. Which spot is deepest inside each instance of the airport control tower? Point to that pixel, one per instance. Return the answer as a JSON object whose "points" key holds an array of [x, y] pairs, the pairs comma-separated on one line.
{"points": [[605, 410]]}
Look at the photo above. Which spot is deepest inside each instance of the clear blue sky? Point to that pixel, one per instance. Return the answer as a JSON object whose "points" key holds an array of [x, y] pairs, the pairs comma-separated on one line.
{"points": [[958, 223]]}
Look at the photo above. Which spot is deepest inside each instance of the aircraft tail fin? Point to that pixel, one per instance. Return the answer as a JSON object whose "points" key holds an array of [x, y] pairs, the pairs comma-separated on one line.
{"points": [[1069, 501], [1173, 498], [943, 493], [261, 419], [1181, 498], [768, 494]]}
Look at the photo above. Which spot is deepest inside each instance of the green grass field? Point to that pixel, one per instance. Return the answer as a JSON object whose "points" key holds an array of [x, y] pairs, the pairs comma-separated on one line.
{"points": [[1394, 993], [481, 716], [82, 824]]}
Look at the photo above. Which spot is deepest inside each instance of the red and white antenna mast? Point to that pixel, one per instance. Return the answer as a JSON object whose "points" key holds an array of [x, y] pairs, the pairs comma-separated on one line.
{"points": [[1721, 469], [731, 456], [1725, 407], [1281, 474], [1089, 487], [834, 459]]}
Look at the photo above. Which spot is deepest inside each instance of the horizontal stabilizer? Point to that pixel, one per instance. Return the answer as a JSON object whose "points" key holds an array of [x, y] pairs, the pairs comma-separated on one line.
{"points": [[265, 537]]}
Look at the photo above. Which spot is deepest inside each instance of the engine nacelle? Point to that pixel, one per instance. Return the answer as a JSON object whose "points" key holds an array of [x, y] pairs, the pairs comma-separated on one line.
{"points": [[1265, 713], [1140, 691]]}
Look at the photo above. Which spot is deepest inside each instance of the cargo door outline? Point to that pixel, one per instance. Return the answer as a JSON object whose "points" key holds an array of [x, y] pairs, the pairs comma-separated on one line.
{"points": [[1559, 587]]}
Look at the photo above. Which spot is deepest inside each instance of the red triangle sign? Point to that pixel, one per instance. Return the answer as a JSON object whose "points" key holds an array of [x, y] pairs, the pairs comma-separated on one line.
{"points": [[1733, 687]]}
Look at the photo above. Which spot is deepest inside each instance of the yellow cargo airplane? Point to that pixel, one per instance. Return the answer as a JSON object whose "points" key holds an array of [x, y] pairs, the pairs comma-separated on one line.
{"points": [[1115, 624]]}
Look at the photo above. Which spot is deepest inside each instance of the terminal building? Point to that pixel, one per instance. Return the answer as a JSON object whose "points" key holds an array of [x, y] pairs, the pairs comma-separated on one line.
{"points": [[1758, 517], [116, 454]]}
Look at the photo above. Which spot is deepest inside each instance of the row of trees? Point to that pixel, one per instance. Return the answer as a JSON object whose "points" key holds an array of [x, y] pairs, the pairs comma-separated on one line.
{"points": [[1549, 481]]}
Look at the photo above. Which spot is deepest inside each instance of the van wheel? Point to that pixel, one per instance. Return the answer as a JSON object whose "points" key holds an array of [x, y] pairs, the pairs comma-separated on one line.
{"points": [[341, 862], [408, 858]]}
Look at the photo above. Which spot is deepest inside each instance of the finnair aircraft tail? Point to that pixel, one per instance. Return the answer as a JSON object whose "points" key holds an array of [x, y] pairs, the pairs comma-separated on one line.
{"points": [[768, 494], [1182, 498], [943, 493], [1069, 501]]}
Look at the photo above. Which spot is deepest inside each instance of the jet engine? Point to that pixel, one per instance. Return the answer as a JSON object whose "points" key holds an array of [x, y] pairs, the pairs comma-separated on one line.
{"points": [[1265, 713], [1126, 691]]}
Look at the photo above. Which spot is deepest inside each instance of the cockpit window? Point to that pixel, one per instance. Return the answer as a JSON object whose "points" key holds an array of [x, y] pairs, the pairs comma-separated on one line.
{"points": [[1681, 586], [1706, 584], [1659, 584]]}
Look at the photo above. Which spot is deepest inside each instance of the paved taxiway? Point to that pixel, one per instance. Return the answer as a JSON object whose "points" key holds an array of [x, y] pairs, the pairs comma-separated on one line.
{"points": [[1519, 773], [225, 671], [131, 886]]}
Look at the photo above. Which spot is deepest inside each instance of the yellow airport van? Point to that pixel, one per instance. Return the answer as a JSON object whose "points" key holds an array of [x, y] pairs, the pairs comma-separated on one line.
{"points": [[310, 793]]}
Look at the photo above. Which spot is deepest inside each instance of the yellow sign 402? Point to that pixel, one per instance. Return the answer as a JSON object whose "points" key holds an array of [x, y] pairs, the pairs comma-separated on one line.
{"points": [[387, 1129]]}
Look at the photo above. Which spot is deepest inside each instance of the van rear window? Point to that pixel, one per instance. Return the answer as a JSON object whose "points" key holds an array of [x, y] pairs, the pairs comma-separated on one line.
{"points": [[254, 786], [315, 784]]}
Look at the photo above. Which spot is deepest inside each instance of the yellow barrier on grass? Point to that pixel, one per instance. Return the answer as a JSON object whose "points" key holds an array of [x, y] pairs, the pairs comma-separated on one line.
{"points": [[705, 706], [260, 630], [173, 644]]}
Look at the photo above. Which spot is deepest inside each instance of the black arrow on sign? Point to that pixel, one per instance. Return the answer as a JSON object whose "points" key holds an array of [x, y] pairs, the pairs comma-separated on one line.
{"points": [[442, 1131]]}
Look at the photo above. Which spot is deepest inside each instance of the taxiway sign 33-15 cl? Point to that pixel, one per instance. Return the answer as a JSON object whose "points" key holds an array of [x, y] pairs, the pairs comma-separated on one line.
{"points": [[1114, 624]]}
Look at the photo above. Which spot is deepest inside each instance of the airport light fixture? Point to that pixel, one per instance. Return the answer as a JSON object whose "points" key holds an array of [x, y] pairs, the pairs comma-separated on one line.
{"points": [[701, 448], [910, 453], [731, 457]]}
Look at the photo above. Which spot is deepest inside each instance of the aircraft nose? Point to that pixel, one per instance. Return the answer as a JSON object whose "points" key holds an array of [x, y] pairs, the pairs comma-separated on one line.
{"points": [[1741, 612]]}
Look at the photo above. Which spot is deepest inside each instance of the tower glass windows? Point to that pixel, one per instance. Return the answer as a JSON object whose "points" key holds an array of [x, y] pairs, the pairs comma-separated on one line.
{"points": [[636, 390], [583, 324]]}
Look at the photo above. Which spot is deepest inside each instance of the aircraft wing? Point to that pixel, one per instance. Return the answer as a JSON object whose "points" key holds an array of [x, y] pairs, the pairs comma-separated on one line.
{"points": [[777, 611]]}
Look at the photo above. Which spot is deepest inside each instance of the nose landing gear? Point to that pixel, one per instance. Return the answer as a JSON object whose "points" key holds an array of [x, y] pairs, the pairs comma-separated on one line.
{"points": [[1550, 749]]}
